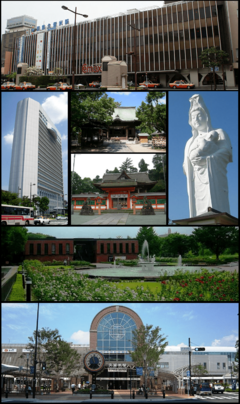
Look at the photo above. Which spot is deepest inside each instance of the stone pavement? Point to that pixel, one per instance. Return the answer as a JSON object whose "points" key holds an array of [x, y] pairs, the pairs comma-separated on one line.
{"points": [[118, 219]]}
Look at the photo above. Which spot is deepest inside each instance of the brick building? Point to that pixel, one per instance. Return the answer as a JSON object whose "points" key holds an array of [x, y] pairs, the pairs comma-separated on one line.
{"points": [[84, 249]]}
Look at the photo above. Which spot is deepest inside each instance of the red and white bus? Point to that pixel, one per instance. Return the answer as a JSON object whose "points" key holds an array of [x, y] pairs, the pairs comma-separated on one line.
{"points": [[16, 215]]}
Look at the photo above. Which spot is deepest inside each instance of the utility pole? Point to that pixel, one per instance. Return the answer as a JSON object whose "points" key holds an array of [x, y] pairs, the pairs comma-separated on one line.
{"points": [[190, 353], [35, 356]]}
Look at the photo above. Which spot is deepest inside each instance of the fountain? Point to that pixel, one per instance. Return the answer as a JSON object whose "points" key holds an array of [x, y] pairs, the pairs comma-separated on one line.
{"points": [[145, 260], [179, 261]]}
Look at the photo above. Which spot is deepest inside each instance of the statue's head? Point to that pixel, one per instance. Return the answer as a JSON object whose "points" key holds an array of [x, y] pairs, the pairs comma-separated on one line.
{"points": [[199, 117]]}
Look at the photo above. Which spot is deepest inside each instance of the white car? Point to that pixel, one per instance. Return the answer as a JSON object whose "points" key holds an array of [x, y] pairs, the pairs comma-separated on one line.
{"points": [[41, 220], [218, 388], [61, 218]]}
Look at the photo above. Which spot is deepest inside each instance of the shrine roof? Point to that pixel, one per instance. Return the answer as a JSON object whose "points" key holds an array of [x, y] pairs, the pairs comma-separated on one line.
{"points": [[138, 177], [125, 114]]}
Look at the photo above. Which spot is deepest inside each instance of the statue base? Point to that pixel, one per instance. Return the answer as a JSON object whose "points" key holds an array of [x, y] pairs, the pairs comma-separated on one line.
{"points": [[147, 210], [86, 210]]}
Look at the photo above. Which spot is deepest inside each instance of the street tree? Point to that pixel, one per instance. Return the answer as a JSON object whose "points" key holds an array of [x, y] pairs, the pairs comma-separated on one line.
{"points": [[10, 198], [212, 58], [43, 205], [61, 360], [34, 71], [175, 244], [148, 340], [217, 238], [198, 370], [152, 114]]}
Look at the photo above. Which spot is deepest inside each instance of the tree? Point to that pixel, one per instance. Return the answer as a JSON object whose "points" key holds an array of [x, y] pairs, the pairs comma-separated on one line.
{"points": [[116, 170], [43, 205], [213, 57], [127, 166], [61, 360], [217, 238], [158, 173], [13, 242], [152, 114], [147, 340], [236, 364], [10, 198], [12, 76], [149, 234], [34, 71], [198, 370], [143, 167], [175, 244], [92, 109]]}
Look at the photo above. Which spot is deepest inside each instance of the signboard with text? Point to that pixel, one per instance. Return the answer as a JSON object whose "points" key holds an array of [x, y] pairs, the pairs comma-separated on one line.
{"points": [[39, 50]]}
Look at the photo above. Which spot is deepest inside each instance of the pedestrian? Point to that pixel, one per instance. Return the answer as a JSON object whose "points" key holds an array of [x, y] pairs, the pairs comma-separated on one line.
{"points": [[29, 389], [73, 387], [79, 386]]}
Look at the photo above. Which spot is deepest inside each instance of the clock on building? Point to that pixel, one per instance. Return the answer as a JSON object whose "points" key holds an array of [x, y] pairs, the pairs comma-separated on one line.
{"points": [[93, 361]]}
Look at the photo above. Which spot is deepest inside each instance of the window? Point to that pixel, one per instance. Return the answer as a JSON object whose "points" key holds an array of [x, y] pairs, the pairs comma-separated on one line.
{"points": [[169, 19], [121, 247], [108, 247], [133, 247], [190, 15], [224, 366], [38, 248], [204, 33], [194, 54], [205, 365], [67, 248], [127, 248], [185, 17], [105, 66], [218, 365], [186, 34], [179, 16], [174, 18], [60, 249], [188, 54], [202, 14], [192, 33], [102, 248], [215, 30], [207, 9], [45, 248], [181, 35], [198, 33], [175, 36], [177, 58], [171, 58], [209, 31], [164, 365], [164, 19], [170, 36], [53, 249], [214, 11], [114, 248], [196, 16], [31, 248]]}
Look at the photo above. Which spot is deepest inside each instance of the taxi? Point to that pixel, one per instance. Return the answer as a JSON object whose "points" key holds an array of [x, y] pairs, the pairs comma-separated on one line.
{"points": [[181, 84], [150, 84], [7, 85], [59, 86], [24, 86], [95, 84]]}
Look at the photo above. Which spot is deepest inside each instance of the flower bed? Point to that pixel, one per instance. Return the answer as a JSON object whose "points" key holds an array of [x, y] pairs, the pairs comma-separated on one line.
{"points": [[66, 285]]}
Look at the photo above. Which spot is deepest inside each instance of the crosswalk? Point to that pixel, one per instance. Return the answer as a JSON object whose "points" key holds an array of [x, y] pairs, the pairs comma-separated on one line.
{"points": [[224, 396]]}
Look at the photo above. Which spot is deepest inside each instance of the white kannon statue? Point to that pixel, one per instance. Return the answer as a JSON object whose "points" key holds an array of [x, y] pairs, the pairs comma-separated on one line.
{"points": [[206, 156]]}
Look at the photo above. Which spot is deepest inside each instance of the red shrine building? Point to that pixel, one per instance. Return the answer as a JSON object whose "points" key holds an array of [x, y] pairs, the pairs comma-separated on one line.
{"points": [[119, 190]]}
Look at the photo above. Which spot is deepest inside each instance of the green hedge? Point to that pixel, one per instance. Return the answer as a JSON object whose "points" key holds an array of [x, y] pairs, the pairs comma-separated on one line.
{"points": [[17, 293], [40, 80]]}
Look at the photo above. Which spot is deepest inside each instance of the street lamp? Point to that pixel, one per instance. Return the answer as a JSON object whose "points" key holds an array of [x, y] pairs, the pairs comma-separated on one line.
{"points": [[74, 40], [134, 53], [31, 190]]}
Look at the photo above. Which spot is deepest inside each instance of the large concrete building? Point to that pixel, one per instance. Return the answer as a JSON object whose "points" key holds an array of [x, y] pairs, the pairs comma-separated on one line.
{"points": [[169, 43], [36, 164], [111, 335], [15, 29]]}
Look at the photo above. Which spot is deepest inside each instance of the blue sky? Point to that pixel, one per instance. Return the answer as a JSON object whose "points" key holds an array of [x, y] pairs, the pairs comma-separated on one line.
{"points": [[223, 109], [131, 99], [103, 231], [207, 324], [55, 105]]}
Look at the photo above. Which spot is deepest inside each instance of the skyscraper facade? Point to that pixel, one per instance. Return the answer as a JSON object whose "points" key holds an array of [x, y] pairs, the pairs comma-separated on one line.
{"points": [[36, 164]]}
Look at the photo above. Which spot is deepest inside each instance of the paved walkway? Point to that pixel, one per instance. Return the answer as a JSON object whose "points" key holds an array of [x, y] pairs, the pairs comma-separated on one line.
{"points": [[128, 147], [120, 219]]}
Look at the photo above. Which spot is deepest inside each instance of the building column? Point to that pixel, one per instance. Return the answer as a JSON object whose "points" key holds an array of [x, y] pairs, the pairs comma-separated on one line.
{"points": [[128, 200], [194, 77], [163, 79], [230, 82], [127, 133]]}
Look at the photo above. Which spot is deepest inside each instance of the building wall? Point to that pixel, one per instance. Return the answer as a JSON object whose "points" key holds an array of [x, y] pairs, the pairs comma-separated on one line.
{"points": [[50, 256], [108, 249], [171, 37]]}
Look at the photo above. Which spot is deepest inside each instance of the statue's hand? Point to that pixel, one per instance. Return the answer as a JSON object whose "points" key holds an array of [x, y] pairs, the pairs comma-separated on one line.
{"points": [[199, 161]]}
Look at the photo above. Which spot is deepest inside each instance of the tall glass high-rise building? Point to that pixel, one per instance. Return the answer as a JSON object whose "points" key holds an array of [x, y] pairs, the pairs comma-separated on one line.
{"points": [[36, 164]]}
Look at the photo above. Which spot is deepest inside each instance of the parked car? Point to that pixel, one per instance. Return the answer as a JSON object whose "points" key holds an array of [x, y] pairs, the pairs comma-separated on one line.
{"points": [[95, 84], [59, 86], [41, 220], [24, 86], [61, 218], [181, 84], [78, 86], [7, 85], [150, 84], [218, 388], [204, 389]]}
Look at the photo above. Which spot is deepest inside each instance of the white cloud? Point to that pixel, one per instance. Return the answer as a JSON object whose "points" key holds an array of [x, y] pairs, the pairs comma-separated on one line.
{"points": [[64, 137], [123, 93], [15, 305], [181, 344], [189, 315], [56, 107], [228, 340], [8, 139], [80, 337]]}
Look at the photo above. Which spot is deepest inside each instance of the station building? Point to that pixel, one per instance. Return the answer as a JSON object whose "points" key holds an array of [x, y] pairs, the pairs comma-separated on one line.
{"points": [[169, 43], [119, 190], [111, 334], [83, 249]]}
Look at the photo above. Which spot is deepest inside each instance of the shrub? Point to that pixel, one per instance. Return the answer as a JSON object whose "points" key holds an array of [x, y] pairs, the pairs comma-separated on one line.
{"points": [[17, 293]]}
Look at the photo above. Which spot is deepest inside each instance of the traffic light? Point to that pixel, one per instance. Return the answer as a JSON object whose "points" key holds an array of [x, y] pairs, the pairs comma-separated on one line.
{"points": [[43, 365], [199, 349]]}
